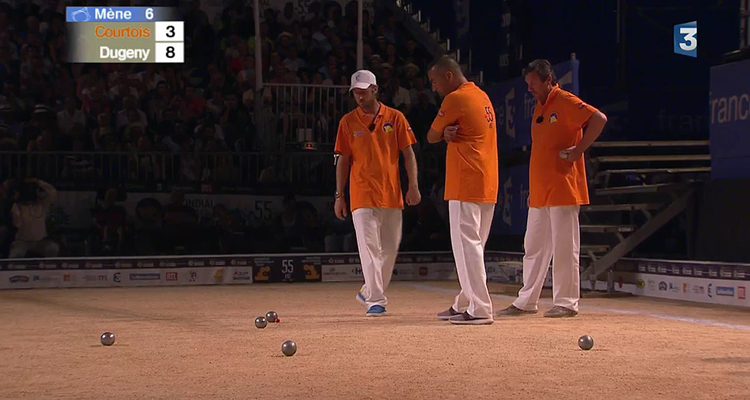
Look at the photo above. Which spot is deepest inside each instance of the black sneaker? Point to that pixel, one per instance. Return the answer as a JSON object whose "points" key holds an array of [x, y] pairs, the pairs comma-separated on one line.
{"points": [[448, 314], [466, 319], [560, 312], [513, 311]]}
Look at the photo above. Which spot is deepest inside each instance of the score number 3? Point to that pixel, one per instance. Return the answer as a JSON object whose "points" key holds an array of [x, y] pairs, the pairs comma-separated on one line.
{"points": [[171, 32]]}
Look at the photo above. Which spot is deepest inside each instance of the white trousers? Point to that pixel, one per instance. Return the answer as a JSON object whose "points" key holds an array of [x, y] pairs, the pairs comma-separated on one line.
{"points": [[378, 237], [470, 227], [552, 233]]}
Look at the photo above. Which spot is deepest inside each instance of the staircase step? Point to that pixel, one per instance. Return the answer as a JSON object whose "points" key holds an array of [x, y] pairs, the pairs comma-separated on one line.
{"points": [[595, 248], [655, 158], [620, 207], [655, 188], [608, 228], [644, 171], [654, 143]]}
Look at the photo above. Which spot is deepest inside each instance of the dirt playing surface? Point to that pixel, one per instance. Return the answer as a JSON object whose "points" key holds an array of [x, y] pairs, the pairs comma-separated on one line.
{"points": [[201, 343]]}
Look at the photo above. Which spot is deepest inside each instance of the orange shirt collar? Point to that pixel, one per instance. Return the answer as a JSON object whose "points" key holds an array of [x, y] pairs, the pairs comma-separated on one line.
{"points": [[465, 85], [551, 96]]}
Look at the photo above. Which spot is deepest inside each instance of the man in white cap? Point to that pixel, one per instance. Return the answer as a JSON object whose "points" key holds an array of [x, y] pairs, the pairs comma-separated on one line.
{"points": [[368, 144]]}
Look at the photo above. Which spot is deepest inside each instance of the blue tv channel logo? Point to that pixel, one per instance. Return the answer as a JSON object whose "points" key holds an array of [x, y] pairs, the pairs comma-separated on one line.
{"points": [[686, 39]]}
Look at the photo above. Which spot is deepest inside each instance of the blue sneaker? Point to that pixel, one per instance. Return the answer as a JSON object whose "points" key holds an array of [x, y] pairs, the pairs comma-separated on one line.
{"points": [[361, 298], [376, 311]]}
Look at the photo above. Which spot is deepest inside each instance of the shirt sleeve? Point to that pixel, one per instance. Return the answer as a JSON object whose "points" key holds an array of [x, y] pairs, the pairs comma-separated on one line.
{"points": [[342, 140], [578, 111], [449, 112], [404, 133]]}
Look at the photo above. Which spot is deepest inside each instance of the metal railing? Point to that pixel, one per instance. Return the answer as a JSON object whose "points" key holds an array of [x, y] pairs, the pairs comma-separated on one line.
{"points": [[310, 169], [305, 113]]}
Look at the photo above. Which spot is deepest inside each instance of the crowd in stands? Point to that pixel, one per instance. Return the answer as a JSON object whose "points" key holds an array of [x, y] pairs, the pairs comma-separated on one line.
{"points": [[204, 105], [161, 122]]}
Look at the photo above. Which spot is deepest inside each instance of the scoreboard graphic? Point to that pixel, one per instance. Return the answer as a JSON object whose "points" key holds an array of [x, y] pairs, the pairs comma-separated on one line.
{"points": [[125, 34]]}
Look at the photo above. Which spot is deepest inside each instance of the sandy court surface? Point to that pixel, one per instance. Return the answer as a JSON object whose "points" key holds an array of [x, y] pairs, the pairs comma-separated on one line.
{"points": [[201, 343]]}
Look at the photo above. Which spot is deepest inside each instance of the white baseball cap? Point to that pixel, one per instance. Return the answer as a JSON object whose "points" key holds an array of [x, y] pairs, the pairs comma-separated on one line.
{"points": [[362, 79]]}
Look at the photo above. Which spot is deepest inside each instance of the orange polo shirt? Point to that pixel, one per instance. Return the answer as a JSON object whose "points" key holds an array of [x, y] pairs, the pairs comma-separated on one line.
{"points": [[374, 176], [554, 181], [471, 165]]}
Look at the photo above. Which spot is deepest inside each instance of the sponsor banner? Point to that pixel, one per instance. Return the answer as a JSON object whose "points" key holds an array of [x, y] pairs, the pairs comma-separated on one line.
{"points": [[435, 272], [729, 121], [514, 106], [702, 290], [141, 277], [695, 270], [23, 265], [348, 273], [287, 268], [401, 272], [241, 275], [312, 269], [172, 277], [262, 270], [17, 279], [340, 273], [217, 276], [95, 278], [502, 272]]}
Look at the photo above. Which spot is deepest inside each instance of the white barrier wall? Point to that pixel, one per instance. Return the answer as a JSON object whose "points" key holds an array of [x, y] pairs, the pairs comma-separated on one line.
{"points": [[688, 281]]}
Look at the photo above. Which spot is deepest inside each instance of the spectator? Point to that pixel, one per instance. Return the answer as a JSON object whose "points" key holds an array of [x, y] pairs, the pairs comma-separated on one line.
{"points": [[288, 17], [7, 229], [29, 214], [70, 115], [130, 114], [110, 222], [155, 113]]}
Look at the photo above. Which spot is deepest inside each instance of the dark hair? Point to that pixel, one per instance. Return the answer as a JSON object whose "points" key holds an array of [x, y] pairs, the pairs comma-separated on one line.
{"points": [[543, 69]]}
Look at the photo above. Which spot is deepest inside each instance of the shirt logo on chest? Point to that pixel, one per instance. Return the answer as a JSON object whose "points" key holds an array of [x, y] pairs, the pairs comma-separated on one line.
{"points": [[388, 127], [553, 118], [358, 133]]}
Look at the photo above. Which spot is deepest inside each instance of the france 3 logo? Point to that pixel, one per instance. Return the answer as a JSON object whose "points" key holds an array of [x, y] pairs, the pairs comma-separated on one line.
{"points": [[686, 39]]}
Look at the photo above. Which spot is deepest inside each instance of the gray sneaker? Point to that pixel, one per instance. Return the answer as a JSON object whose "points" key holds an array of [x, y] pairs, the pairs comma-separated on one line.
{"points": [[513, 311], [560, 312], [448, 314]]}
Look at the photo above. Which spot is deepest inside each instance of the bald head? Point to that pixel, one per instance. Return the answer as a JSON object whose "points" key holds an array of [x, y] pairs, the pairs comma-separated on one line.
{"points": [[446, 75], [447, 64]]}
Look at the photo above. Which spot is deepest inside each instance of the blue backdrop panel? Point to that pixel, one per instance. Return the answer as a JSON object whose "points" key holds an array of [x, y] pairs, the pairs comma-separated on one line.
{"points": [[729, 119], [511, 210]]}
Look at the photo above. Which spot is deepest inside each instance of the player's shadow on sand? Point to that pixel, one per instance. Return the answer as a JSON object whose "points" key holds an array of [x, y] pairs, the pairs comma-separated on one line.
{"points": [[729, 360]]}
